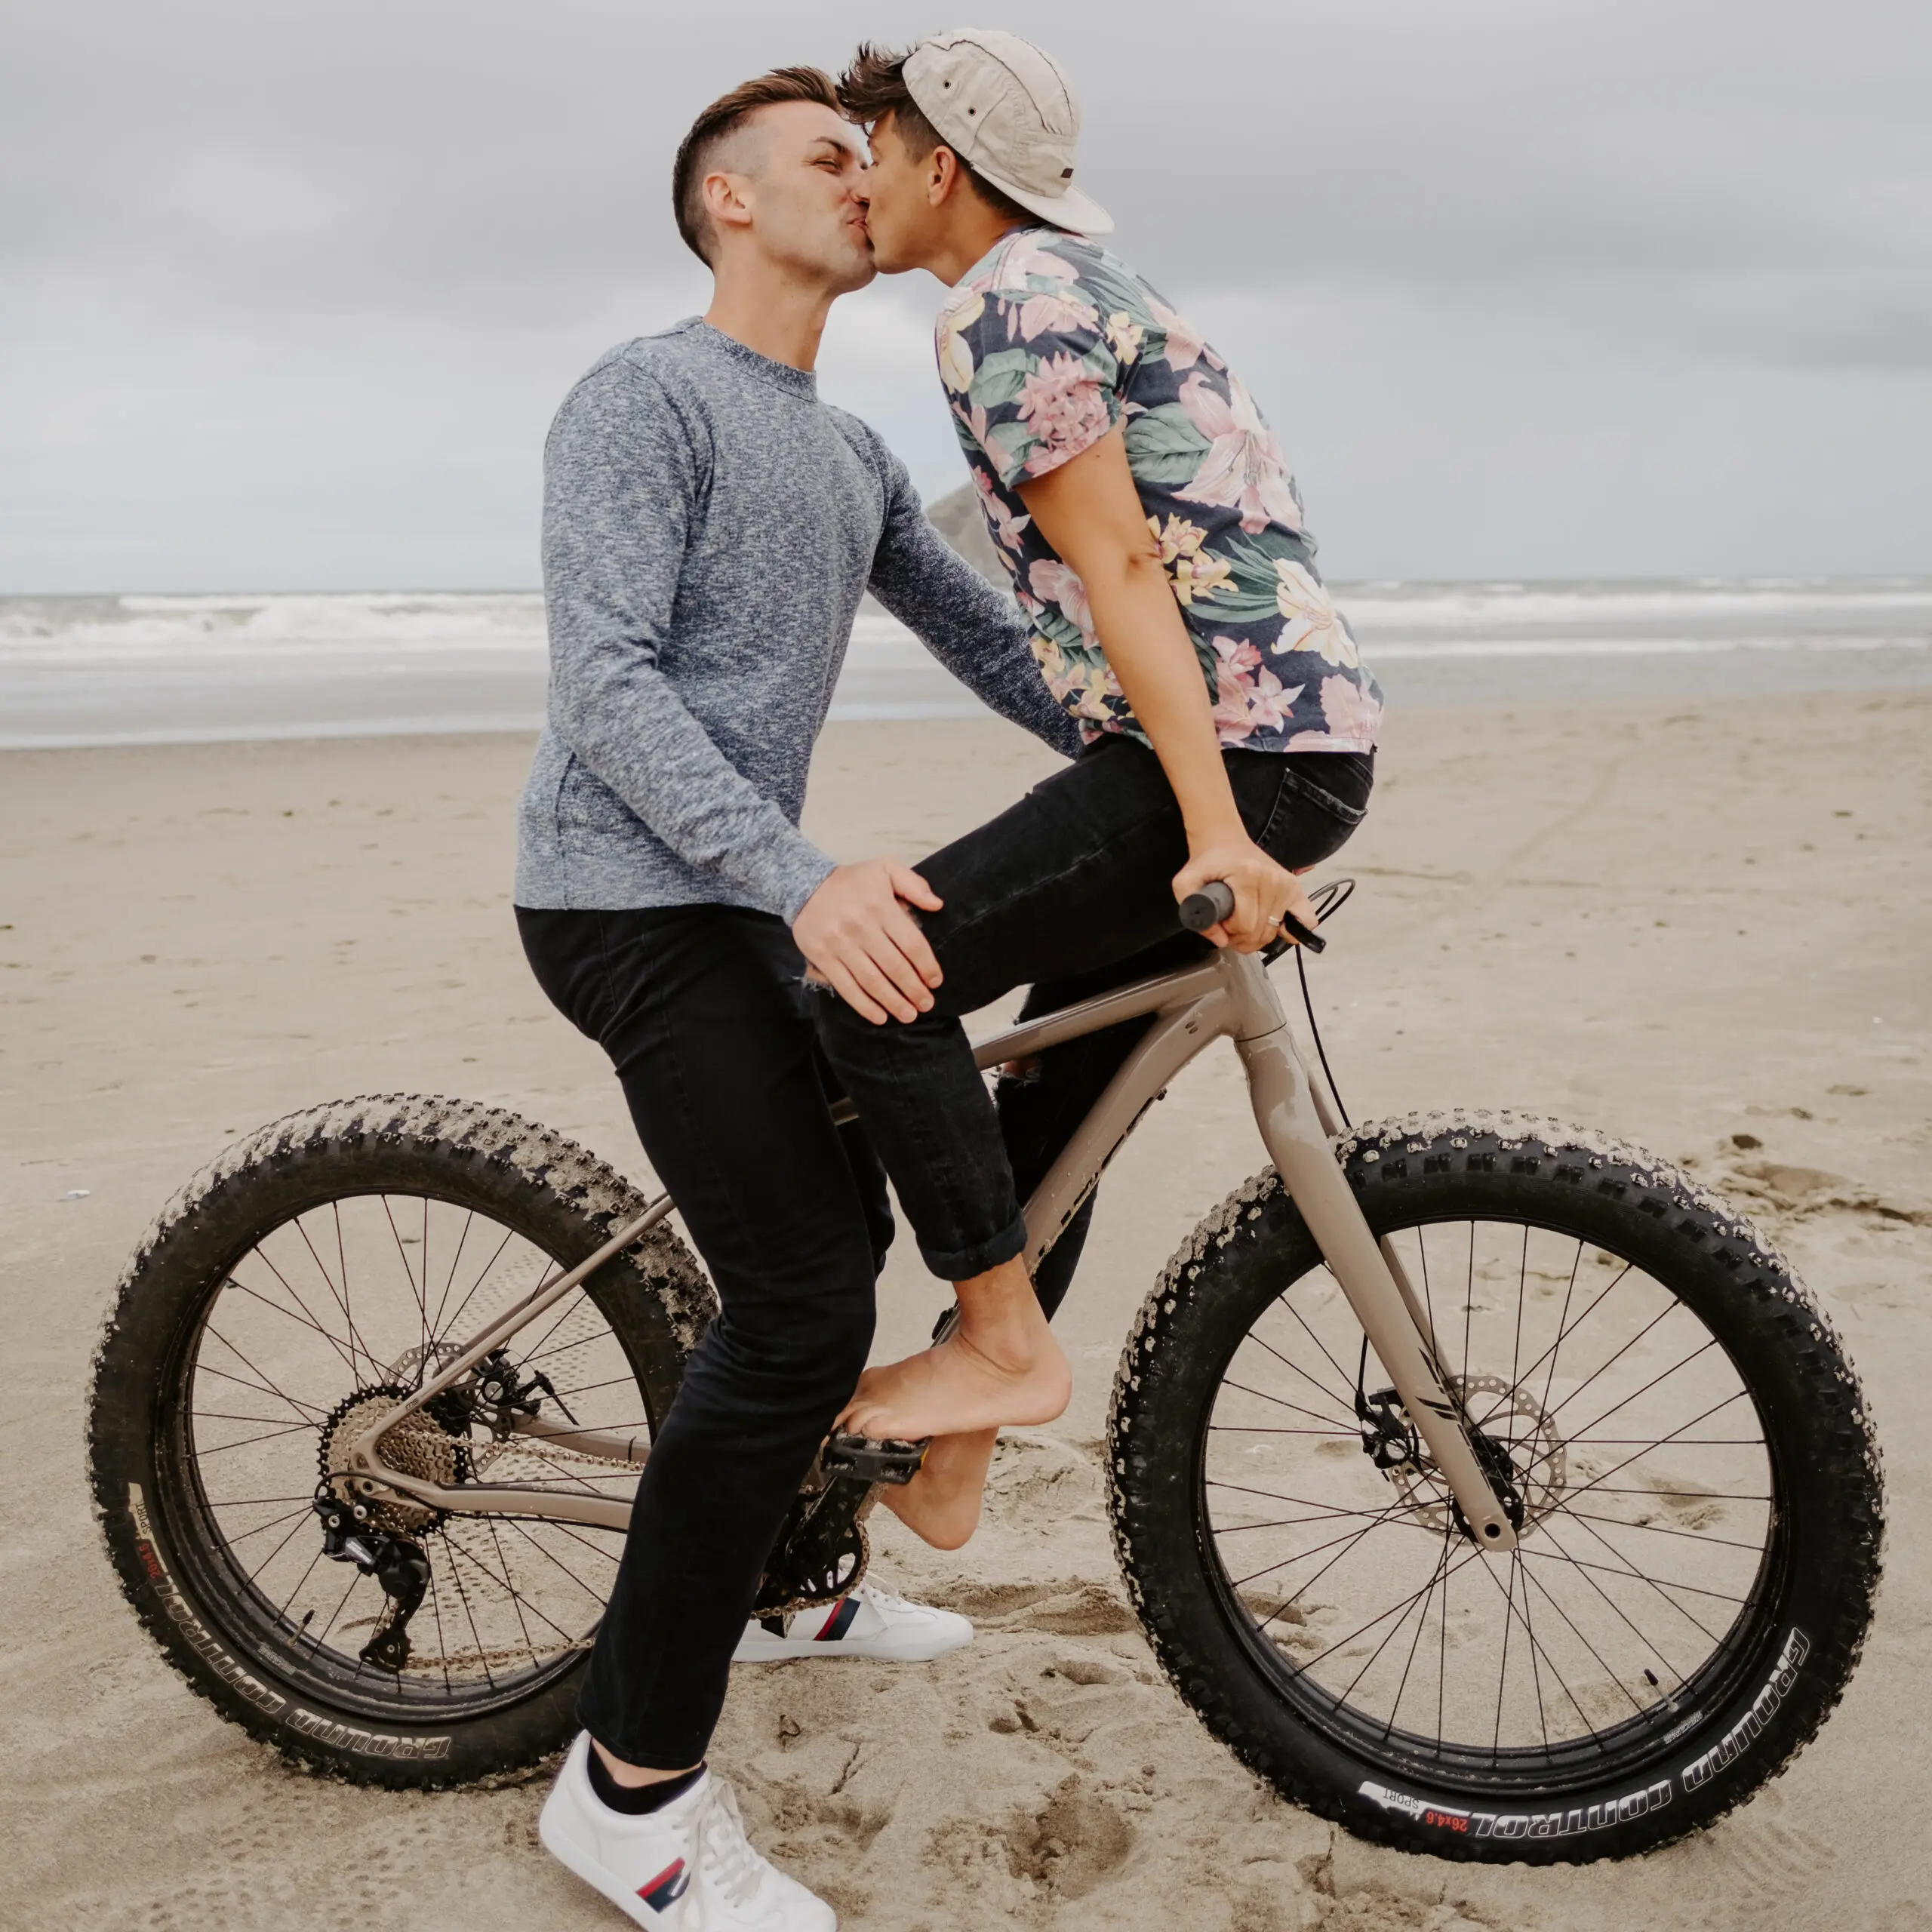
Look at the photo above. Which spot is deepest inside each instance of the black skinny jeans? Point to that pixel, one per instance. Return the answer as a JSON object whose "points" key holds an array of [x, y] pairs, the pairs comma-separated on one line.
{"points": [[702, 1011], [1069, 891]]}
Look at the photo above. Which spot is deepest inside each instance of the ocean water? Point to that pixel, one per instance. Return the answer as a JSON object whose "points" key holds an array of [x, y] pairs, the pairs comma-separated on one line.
{"points": [[161, 669]]}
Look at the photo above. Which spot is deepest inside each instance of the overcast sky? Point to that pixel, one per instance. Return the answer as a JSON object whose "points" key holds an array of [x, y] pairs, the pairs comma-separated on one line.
{"points": [[1529, 288]]}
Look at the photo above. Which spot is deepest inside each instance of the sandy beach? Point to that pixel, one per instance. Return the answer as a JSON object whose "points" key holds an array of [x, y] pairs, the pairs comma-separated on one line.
{"points": [[1702, 923]]}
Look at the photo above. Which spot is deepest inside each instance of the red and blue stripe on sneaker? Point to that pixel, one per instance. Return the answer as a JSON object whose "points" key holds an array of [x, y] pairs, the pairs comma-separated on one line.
{"points": [[667, 1888], [839, 1622]]}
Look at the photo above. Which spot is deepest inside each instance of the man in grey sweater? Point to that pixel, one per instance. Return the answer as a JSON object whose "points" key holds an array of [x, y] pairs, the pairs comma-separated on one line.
{"points": [[709, 528]]}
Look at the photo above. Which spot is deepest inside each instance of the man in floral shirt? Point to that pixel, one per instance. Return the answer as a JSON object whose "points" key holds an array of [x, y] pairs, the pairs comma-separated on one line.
{"points": [[1048, 343], [1156, 542]]}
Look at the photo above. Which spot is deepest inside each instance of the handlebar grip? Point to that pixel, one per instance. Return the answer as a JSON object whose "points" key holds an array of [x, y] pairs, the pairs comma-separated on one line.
{"points": [[1213, 903]]}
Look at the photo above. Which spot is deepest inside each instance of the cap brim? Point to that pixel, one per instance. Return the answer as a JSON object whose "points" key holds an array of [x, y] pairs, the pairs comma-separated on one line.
{"points": [[1070, 209]]}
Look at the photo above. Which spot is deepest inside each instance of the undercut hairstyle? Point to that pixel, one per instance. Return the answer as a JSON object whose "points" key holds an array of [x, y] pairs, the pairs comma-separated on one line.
{"points": [[874, 86], [715, 126]]}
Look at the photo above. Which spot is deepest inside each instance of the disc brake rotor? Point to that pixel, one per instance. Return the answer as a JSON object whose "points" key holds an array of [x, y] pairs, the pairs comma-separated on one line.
{"points": [[1519, 1426]]}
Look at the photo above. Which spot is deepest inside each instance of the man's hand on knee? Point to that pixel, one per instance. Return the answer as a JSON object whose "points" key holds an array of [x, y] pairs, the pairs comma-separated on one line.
{"points": [[859, 938]]}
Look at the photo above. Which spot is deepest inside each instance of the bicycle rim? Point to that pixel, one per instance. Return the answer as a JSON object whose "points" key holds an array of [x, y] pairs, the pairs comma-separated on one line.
{"points": [[1647, 1485], [344, 1306]]}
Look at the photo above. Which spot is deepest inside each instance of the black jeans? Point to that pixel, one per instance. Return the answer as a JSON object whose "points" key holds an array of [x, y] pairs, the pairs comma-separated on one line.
{"points": [[702, 1011], [1071, 892]]}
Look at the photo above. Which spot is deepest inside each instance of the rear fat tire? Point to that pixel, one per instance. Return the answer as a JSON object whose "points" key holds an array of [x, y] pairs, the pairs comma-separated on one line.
{"points": [[654, 1296], [1803, 1642]]}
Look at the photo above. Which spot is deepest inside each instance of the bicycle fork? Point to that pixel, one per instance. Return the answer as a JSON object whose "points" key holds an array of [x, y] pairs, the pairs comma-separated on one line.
{"points": [[1290, 1116]]}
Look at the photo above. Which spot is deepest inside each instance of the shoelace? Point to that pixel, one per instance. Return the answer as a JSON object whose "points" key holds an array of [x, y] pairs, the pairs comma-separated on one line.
{"points": [[880, 1597], [730, 1862]]}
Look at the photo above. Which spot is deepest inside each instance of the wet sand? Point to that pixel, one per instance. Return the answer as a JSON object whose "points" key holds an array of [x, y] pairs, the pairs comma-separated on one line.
{"points": [[1698, 922]]}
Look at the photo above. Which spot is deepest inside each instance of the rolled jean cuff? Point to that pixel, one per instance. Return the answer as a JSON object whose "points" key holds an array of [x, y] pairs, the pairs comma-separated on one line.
{"points": [[962, 1264]]}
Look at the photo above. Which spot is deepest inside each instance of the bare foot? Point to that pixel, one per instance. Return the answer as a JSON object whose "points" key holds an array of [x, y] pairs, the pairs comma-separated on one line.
{"points": [[941, 1504], [958, 1389]]}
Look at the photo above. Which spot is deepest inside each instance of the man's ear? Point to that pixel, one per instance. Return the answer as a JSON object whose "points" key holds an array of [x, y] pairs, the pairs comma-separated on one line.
{"points": [[727, 200], [942, 177]]}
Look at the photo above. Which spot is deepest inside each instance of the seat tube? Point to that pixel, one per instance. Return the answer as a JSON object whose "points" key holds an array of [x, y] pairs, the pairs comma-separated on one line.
{"points": [[1304, 1158]]}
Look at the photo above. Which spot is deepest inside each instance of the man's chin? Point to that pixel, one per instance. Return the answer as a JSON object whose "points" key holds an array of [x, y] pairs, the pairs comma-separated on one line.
{"points": [[885, 263]]}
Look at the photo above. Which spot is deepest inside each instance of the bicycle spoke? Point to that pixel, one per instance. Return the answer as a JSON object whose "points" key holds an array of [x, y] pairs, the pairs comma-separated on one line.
{"points": [[1643, 1637], [248, 1441], [306, 1410], [339, 1296], [1522, 1295], [442, 1300], [1562, 1319], [1529, 1633], [1471, 1556], [243, 1536], [442, 1642], [509, 1234], [1348, 1381], [476, 1562], [463, 1597], [1257, 1429], [516, 1601], [1553, 1651], [1421, 1624], [1658, 1530], [1348, 1543], [421, 1294], [1392, 1510], [304, 1320], [1342, 1402]]}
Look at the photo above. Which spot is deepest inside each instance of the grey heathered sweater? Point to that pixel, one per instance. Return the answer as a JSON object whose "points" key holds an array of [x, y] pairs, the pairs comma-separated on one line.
{"points": [[709, 527]]}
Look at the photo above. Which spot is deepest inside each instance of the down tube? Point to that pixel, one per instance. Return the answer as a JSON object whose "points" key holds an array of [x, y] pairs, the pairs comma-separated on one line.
{"points": [[1173, 1039]]}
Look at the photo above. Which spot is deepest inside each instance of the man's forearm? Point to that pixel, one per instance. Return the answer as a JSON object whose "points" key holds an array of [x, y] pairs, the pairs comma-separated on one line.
{"points": [[1152, 658]]}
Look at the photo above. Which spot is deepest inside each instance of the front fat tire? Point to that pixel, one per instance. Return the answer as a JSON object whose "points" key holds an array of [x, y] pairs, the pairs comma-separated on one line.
{"points": [[1805, 1640], [654, 1296]]}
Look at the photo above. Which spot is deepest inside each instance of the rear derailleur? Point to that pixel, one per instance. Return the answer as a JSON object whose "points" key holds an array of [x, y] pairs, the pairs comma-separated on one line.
{"points": [[398, 1565]]}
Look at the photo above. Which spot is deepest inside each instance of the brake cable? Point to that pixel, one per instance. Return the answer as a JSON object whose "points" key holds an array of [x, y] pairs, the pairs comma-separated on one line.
{"points": [[1328, 899]]}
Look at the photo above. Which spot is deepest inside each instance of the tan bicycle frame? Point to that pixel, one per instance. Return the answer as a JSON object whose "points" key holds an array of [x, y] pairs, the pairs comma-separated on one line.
{"points": [[1229, 997]]}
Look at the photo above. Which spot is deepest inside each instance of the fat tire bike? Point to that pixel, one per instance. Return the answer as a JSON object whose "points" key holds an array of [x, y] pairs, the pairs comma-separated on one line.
{"points": [[1487, 1485]]}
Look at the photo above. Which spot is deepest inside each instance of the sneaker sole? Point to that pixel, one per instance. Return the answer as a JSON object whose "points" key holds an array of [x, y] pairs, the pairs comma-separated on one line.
{"points": [[791, 1650]]}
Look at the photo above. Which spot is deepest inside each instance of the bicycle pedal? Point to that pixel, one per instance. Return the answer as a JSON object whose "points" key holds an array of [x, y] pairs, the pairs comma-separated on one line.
{"points": [[870, 1459]]}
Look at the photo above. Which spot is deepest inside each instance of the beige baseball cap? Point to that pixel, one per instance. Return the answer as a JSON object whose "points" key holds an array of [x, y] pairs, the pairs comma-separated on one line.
{"points": [[1006, 107]]}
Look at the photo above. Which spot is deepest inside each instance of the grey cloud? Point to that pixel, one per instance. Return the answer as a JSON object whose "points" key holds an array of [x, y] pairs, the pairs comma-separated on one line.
{"points": [[287, 289], [1624, 161]]}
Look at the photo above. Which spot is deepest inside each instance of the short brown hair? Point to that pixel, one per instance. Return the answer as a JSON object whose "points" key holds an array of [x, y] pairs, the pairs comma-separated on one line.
{"points": [[724, 114], [874, 86]]}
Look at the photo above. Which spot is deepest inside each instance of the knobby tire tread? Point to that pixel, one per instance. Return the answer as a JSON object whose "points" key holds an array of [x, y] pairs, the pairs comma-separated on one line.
{"points": [[667, 1303], [1158, 1401]]}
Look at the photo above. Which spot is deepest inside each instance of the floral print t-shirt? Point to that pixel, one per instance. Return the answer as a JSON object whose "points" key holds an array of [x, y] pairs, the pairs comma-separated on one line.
{"points": [[1046, 344]]}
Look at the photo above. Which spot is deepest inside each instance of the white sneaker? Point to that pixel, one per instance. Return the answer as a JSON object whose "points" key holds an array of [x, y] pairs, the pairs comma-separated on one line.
{"points": [[871, 1622], [688, 1868]]}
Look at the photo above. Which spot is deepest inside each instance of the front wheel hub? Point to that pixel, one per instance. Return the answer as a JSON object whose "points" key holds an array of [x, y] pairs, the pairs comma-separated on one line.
{"points": [[1515, 1439]]}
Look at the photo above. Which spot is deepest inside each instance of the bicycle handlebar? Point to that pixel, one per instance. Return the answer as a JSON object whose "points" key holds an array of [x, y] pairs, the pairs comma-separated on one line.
{"points": [[1215, 901]]}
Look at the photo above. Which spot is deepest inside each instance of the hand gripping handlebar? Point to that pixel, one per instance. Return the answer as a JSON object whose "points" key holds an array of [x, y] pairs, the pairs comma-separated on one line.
{"points": [[1215, 901]]}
